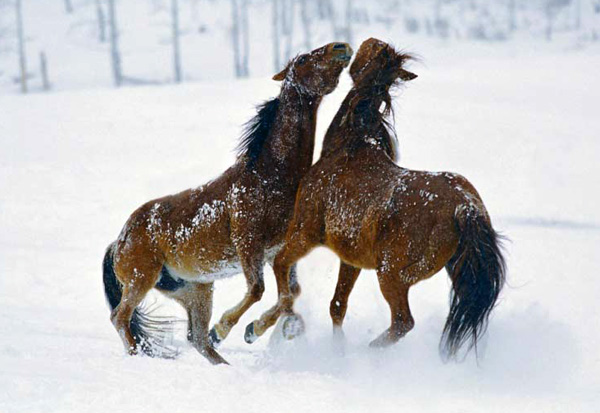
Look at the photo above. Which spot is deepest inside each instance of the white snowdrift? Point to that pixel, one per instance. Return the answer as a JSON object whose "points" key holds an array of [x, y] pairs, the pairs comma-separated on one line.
{"points": [[74, 165]]}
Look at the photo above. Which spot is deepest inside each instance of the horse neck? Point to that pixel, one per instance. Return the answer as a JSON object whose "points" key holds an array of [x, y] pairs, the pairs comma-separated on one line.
{"points": [[344, 126], [292, 143]]}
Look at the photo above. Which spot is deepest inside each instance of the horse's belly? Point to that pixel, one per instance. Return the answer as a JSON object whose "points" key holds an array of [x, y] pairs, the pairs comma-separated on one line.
{"points": [[223, 269]]}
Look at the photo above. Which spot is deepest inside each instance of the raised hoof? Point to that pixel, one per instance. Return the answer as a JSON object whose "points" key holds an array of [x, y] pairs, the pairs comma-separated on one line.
{"points": [[213, 338], [250, 336], [292, 327]]}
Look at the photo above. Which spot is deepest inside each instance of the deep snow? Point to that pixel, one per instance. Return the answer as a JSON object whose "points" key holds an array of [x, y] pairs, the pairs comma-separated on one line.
{"points": [[75, 164]]}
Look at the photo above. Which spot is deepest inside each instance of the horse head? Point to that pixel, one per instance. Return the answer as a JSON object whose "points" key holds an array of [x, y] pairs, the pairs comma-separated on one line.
{"points": [[317, 73]]}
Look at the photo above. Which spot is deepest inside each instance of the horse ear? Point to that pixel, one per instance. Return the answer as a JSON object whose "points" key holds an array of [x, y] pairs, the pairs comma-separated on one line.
{"points": [[405, 75], [281, 75]]}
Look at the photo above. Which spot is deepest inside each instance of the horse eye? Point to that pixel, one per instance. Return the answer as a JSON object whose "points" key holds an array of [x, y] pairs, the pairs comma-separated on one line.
{"points": [[301, 60]]}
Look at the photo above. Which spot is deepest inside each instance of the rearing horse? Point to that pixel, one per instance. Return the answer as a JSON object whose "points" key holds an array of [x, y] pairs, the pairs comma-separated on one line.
{"points": [[405, 224], [181, 243]]}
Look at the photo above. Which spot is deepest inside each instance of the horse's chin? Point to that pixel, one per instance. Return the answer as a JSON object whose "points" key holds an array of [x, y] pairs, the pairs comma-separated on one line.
{"points": [[330, 88]]}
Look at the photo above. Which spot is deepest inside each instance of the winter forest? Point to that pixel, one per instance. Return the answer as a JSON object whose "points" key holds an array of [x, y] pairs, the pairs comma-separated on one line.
{"points": [[108, 106], [113, 41]]}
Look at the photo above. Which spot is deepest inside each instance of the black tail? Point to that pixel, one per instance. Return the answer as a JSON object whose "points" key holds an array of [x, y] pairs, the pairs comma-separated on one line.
{"points": [[150, 332], [477, 270]]}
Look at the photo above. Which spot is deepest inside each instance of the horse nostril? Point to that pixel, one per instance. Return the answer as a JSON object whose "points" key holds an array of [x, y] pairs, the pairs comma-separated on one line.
{"points": [[339, 46]]}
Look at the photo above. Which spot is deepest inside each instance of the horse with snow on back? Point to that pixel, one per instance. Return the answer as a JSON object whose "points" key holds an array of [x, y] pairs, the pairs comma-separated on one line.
{"points": [[374, 214], [181, 243]]}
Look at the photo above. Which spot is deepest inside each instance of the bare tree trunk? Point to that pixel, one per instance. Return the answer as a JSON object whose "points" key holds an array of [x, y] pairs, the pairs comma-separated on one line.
{"points": [[577, 14], [349, 21], [44, 71], [330, 11], [176, 49], [305, 24], [68, 6], [114, 44], [194, 10], [235, 34], [512, 15], [21, 39], [275, 35], [549, 17], [437, 12], [288, 27], [245, 38], [323, 9], [101, 22]]}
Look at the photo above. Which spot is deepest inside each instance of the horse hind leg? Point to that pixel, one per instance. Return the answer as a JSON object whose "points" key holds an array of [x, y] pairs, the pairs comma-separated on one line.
{"points": [[199, 309], [128, 320], [394, 286], [339, 303]]}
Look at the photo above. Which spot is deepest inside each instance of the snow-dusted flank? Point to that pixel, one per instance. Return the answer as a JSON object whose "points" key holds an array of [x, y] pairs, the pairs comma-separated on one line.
{"points": [[74, 165]]}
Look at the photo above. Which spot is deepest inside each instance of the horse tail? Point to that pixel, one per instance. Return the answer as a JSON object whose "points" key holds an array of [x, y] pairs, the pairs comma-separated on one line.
{"points": [[477, 270], [150, 332]]}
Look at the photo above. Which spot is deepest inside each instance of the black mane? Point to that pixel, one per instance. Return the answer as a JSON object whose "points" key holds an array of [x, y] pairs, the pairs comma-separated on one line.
{"points": [[256, 131]]}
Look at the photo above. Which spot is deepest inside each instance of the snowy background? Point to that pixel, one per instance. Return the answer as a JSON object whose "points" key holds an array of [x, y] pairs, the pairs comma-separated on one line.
{"points": [[514, 110]]}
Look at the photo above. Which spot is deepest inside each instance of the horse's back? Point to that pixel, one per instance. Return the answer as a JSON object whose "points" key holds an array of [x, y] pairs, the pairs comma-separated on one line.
{"points": [[182, 230]]}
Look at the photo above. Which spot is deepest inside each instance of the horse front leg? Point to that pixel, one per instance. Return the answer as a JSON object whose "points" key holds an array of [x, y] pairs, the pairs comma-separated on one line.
{"points": [[252, 265], [287, 292]]}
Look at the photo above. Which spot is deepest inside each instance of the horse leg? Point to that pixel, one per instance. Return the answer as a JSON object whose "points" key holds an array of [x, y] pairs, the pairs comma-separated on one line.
{"points": [[284, 262], [197, 300], [294, 285], [200, 311], [395, 292], [252, 265], [339, 304], [136, 287]]}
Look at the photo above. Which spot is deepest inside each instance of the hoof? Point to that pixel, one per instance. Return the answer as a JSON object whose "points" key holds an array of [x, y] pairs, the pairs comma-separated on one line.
{"points": [[292, 327], [338, 335], [211, 355], [213, 338], [384, 340], [250, 336], [378, 343]]}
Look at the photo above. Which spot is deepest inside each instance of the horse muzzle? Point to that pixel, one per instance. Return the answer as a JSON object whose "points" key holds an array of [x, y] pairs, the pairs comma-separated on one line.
{"points": [[342, 52]]}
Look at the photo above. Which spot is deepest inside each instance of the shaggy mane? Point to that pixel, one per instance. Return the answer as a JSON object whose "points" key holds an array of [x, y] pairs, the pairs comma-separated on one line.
{"points": [[256, 131]]}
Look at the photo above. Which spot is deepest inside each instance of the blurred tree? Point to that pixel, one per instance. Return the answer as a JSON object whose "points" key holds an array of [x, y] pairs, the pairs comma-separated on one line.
{"points": [[245, 34], [240, 37], [101, 22], [349, 36], [44, 71], [115, 54], [21, 41], [512, 15], [287, 27], [275, 35], [304, 13], [176, 45]]}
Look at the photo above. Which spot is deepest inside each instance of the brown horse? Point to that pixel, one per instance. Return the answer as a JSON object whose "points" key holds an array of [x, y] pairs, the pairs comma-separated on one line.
{"points": [[407, 225], [181, 243]]}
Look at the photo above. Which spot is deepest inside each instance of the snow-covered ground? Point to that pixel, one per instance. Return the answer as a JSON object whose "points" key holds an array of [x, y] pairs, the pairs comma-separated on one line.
{"points": [[75, 164]]}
